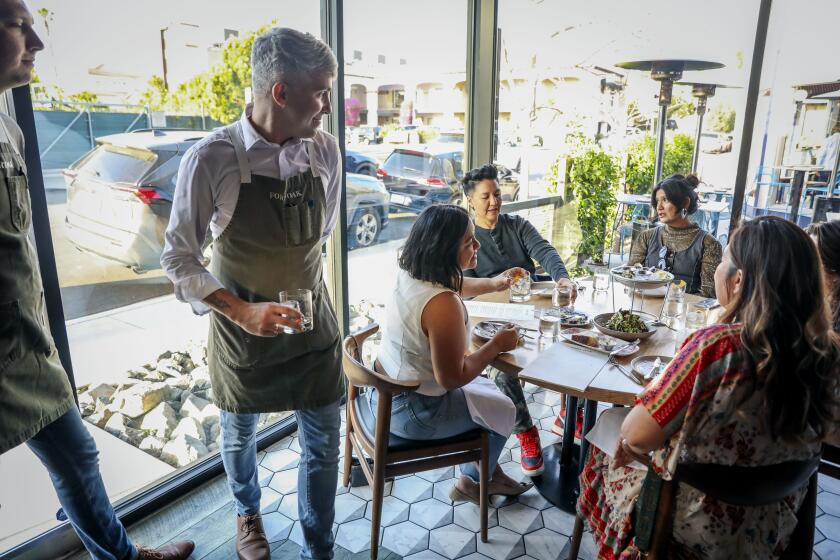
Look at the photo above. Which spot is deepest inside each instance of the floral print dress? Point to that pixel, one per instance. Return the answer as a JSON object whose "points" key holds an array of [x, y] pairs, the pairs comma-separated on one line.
{"points": [[709, 405]]}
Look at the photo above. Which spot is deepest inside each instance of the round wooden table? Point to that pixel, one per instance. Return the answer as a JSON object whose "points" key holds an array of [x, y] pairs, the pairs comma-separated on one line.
{"points": [[559, 481]]}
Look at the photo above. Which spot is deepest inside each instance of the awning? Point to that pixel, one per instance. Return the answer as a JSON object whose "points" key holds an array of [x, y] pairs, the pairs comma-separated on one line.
{"points": [[819, 88]]}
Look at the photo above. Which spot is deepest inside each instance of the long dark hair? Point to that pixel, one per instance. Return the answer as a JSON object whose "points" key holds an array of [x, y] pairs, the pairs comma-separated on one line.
{"points": [[827, 235], [431, 251], [794, 352], [678, 189]]}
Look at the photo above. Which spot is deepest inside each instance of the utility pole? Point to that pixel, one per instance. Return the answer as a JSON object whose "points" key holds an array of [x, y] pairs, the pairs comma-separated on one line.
{"points": [[163, 56]]}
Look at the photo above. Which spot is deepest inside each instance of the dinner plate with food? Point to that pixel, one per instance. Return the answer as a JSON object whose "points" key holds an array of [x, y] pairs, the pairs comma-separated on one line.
{"points": [[638, 276], [623, 324], [485, 330], [599, 342]]}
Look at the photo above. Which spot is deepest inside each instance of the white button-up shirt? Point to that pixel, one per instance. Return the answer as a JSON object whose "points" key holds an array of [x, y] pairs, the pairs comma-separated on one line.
{"points": [[207, 191]]}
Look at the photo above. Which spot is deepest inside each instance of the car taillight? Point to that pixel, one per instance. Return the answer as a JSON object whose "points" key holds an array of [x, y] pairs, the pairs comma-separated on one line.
{"points": [[147, 194], [381, 173], [433, 182]]}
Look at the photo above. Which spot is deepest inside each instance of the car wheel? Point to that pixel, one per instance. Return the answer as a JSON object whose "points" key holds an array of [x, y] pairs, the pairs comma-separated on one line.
{"points": [[365, 228], [366, 170]]}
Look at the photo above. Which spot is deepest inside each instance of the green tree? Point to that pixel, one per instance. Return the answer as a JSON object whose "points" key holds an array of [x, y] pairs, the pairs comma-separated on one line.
{"points": [[722, 118], [680, 107], [640, 160], [84, 96], [594, 178], [156, 96]]}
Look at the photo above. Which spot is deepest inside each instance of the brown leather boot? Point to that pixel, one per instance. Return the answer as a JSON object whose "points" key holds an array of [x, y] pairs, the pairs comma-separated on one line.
{"points": [[251, 543], [175, 551]]}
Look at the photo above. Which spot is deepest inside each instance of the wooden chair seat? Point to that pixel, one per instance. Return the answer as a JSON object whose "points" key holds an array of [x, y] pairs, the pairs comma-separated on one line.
{"points": [[365, 418]]}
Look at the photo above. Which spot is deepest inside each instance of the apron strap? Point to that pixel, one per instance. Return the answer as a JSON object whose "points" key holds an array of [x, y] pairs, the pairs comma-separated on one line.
{"points": [[310, 151], [233, 132]]}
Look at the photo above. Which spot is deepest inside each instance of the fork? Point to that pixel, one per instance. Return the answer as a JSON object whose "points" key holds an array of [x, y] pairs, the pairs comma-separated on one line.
{"points": [[612, 361]]}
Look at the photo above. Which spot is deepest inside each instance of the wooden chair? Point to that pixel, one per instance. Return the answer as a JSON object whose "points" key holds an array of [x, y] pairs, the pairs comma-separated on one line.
{"points": [[383, 455], [740, 486]]}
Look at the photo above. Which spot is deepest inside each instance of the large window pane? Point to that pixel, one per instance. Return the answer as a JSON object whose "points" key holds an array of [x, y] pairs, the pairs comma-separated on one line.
{"points": [[798, 117], [109, 74], [404, 111], [561, 97]]}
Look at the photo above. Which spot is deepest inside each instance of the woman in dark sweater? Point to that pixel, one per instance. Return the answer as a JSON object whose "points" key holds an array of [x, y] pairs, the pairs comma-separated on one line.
{"points": [[511, 241]]}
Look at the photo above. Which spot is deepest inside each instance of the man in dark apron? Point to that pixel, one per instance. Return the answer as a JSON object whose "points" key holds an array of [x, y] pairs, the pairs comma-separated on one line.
{"points": [[36, 401], [268, 187]]}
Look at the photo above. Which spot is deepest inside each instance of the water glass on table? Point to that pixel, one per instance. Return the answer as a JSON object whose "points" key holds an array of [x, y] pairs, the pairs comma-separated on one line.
{"points": [[302, 301], [549, 323], [520, 288], [562, 296], [673, 309], [601, 283]]}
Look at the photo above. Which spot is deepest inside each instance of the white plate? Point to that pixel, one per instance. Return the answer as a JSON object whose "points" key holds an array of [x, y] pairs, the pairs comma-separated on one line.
{"points": [[485, 330], [542, 289], [606, 342], [645, 281]]}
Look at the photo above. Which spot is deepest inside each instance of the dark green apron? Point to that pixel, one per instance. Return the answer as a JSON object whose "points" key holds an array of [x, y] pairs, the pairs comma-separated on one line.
{"points": [[34, 389], [272, 243]]}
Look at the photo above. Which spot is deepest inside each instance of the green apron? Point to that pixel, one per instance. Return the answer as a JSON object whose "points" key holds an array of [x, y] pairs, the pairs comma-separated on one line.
{"points": [[34, 388], [272, 243]]}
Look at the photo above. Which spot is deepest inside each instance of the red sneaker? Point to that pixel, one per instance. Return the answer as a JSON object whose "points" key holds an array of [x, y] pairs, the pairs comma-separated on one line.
{"points": [[531, 459], [559, 422]]}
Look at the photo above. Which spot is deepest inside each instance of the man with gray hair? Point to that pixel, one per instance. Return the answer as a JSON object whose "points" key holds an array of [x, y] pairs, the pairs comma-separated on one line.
{"points": [[268, 188]]}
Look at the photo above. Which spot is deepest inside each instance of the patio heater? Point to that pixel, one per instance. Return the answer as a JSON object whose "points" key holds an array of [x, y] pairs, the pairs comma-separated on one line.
{"points": [[666, 72], [701, 92]]}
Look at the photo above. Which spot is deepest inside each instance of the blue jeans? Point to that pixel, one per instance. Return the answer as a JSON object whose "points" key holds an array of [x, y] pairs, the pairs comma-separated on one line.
{"points": [[416, 416], [318, 430], [69, 453]]}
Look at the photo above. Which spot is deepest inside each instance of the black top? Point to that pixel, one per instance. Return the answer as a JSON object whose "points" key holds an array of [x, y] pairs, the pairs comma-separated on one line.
{"points": [[514, 242]]}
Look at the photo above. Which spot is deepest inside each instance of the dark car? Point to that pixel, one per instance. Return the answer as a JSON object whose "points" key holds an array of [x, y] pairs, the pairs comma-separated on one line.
{"points": [[119, 197], [357, 162], [420, 176]]}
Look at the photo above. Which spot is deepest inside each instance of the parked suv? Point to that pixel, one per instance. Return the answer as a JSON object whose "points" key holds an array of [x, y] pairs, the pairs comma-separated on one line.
{"points": [[119, 197], [419, 176]]}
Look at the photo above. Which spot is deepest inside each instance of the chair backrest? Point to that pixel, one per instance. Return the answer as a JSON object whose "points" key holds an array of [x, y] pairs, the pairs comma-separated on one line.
{"points": [[748, 486], [360, 375]]}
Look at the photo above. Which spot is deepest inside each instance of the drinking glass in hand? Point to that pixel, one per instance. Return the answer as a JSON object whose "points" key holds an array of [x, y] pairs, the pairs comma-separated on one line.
{"points": [[520, 289], [562, 296], [302, 301]]}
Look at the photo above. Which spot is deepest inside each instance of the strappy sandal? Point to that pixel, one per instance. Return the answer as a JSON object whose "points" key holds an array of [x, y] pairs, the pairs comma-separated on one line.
{"points": [[493, 489]]}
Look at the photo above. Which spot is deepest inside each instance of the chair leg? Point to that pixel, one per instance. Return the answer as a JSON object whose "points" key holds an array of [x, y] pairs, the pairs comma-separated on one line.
{"points": [[376, 507], [348, 452], [577, 536], [483, 481]]}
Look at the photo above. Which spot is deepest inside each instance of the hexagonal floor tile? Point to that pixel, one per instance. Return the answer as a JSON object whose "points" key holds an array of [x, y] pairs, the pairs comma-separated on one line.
{"points": [[269, 499], [340, 488], [441, 490], [559, 521], [503, 544], [277, 526], [548, 398], [829, 484], [467, 516], [264, 476], [452, 541], [365, 492], [354, 535], [512, 442], [284, 482], [513, 470], [288, 506], [520, 518], [475, 556], [394, 511], [425, 555], [349, 507], [530, 388], [412, 489], [438, 475], [538, 410], [830, 503], [295, 444], [281, 460], [405, 538], [504, 457], [829, 525], [282, 444], [534, 499], [515, 455], [547, 437], [544, 544], [430, 513], [546, 423]]}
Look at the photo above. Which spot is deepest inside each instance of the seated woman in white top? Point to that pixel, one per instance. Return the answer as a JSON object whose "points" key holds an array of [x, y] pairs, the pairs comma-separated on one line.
{"points": [[426, 338]]}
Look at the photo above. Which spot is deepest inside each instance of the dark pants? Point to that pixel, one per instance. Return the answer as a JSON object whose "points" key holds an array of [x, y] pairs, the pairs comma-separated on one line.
{"points": [[510, 386]]}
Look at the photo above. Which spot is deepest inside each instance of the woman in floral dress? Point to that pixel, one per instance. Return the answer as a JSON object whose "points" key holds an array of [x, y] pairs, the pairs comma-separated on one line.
{"points": [[757, 389]]}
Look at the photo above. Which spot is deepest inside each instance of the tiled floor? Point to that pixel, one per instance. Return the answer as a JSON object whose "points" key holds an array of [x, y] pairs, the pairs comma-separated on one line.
{"points": [[418, 521]]}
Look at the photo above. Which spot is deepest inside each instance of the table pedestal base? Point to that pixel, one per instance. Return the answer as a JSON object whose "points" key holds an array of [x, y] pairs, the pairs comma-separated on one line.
{"points": [[558, 483]]}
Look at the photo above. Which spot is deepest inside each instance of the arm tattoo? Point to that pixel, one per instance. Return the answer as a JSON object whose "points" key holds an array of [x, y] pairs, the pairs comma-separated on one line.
{"points": [[215, 301]]}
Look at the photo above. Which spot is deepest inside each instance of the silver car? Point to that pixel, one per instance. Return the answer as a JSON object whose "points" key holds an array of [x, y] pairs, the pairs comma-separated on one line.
{"points": [[119, 197]]}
